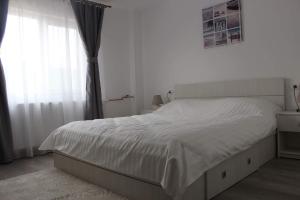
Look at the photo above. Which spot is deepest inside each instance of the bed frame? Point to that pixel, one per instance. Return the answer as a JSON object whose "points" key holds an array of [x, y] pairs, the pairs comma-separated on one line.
{"points": [[215, 180]]}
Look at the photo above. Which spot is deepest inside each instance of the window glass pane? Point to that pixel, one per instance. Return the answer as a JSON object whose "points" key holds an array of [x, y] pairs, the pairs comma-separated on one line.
{"points": [[43, 61]]}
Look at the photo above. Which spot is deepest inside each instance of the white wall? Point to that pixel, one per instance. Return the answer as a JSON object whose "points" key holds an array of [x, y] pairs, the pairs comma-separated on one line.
{"points": [[115, 60], [173, 53], [138, 80]]}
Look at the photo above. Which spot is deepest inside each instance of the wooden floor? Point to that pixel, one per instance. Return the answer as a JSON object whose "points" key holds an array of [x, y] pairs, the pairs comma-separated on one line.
{"points": [[277, 180]]}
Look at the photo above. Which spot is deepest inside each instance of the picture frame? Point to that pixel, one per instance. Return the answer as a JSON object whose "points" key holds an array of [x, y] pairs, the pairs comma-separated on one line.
{"points": [[222, 24]]}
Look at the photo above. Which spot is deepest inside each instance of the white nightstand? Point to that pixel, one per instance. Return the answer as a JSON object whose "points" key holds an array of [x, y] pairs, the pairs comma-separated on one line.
{"points": [[288, 135]]}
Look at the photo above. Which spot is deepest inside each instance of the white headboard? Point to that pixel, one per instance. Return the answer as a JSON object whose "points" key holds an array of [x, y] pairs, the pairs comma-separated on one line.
{"points": [[272, 89]]}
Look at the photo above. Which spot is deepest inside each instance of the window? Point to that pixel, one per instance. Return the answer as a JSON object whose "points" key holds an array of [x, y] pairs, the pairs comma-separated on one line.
{"points": [[45, 69], [43, 58]]}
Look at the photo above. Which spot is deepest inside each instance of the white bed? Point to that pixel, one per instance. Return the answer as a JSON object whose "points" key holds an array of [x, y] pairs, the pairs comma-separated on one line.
{"points": [[179, 151]]}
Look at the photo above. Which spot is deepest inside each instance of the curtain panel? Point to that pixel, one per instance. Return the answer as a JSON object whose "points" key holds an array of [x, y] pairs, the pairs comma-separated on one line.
{"points": [[6, 144], [45, 67], [89, 19]]}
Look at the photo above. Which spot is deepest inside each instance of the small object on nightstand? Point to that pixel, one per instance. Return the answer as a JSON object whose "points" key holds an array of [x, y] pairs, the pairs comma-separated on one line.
{"points": [[288, 135]]}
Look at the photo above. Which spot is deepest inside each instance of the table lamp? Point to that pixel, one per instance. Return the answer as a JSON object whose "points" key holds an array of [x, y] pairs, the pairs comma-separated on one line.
{"points": [[157, 101]]}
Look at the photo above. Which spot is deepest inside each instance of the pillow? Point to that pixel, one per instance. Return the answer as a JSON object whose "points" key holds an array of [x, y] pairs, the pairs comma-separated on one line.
{"points": [[218, 107]]}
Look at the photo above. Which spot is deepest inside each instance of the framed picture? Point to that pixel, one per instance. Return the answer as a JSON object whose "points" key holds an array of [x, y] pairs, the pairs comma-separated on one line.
{"points": [[221, 38], [220, 10], [208, 27], [208, 14], [222, 24], [209, 40]]}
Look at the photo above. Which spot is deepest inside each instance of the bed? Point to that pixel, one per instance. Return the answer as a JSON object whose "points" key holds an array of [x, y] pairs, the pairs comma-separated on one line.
{"points": [[212, 136]]}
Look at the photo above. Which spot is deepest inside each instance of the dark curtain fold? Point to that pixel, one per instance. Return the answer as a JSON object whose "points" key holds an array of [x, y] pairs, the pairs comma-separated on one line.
{"points": [[6, 144], [89, 18]]}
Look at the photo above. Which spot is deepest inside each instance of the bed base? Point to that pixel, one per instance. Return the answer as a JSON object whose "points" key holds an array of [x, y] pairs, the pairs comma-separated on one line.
{"points": [[212, 183]]}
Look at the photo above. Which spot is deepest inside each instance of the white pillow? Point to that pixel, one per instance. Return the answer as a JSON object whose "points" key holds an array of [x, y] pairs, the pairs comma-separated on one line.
{"points": [[198, 108]]}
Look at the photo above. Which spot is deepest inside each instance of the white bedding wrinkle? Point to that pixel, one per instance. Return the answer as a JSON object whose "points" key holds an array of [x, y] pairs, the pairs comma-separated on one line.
{"points": [[173, 146]]}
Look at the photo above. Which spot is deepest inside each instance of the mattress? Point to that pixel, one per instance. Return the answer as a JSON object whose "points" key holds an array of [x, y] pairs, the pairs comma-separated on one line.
{"points": [[172, 146]]}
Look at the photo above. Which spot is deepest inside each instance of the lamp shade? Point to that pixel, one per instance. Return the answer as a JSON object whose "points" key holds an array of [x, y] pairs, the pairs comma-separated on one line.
{"points": [[157, 100]]}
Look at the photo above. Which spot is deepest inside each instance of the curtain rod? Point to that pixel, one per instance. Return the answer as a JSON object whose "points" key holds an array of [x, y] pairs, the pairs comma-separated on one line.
{"points": [[94, 3]]}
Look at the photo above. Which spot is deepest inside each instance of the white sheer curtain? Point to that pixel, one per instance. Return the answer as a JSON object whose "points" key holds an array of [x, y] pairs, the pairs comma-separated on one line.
{"points": [[45, 70]]}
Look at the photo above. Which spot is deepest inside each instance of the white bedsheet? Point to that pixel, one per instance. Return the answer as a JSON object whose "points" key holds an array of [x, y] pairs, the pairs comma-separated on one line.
{"points": [[173, 146]]}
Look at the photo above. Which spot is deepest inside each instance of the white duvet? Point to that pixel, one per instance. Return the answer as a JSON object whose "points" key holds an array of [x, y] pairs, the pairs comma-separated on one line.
{"points": [[173, 146]]}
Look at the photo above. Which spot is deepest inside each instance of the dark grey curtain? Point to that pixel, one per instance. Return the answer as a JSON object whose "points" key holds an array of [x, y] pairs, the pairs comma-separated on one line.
{"points": [[6, 145], [89, 18]]}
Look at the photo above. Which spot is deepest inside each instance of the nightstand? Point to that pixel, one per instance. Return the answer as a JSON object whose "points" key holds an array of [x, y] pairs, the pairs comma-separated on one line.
{"points": [[288, 135]]}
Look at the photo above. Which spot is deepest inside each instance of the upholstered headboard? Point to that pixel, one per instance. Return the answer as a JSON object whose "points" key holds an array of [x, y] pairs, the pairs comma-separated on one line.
{"points": [[272, 89]]}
